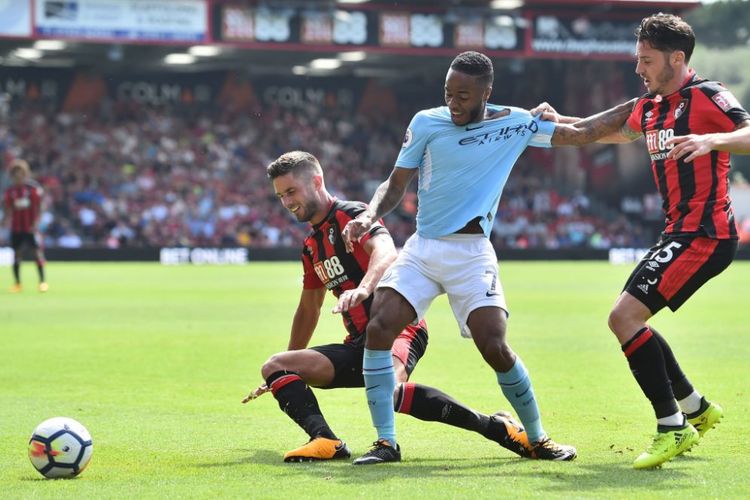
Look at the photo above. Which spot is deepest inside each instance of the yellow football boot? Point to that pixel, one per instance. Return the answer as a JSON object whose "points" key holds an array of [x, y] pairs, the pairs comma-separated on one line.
{"points": [[707, 419], [666, 446]]}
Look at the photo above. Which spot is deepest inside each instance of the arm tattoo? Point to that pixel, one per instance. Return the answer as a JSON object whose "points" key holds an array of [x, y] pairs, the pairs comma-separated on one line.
{"points": [[385, 199], [594, 127], [629, 132]]}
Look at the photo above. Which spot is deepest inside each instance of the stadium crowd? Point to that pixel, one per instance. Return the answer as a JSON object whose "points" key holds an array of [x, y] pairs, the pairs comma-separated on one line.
{"points": [[127, 174]]}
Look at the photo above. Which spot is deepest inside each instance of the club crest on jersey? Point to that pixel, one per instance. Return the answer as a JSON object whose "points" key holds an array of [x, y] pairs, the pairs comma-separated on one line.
{"points": [[680, 108], [331, 235]]}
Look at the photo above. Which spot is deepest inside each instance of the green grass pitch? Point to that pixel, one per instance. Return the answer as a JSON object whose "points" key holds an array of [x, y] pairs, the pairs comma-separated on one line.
{"points": [[154, 361]]}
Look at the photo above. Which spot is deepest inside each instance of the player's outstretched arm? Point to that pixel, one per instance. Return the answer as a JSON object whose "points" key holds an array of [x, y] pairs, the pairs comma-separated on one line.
{"points": [[386, 198], [546, 112], [606, 127], [693, 145], [382, 253], [610, 124], [306, 318]]}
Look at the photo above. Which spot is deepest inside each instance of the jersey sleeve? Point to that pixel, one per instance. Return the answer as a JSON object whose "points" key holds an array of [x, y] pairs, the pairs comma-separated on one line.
{"points": [[310, 278], [728, 104], [415, 141], [543, 130], [634, 120], [377, 227]]}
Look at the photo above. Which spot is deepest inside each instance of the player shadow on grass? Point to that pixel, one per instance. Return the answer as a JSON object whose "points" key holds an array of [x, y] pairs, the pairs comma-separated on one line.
{"points": [[560, 477], [620, 476], [415, 467], [265, 457]]}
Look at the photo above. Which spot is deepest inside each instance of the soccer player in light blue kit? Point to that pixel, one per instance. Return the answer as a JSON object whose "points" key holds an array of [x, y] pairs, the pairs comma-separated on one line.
{"points": [[464, 153]]}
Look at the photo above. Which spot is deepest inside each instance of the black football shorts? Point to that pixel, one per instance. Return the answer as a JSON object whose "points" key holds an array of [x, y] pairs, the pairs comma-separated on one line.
{"points": [[347, 357], [676, 267]]}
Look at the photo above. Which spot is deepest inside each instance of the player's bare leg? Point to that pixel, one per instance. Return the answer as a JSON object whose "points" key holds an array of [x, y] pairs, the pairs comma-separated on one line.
{"points": [[488, 326]]}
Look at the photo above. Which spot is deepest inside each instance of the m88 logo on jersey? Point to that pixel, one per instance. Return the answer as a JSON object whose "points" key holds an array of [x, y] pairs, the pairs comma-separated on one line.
{"points": [[328, 269], [656, 140]]}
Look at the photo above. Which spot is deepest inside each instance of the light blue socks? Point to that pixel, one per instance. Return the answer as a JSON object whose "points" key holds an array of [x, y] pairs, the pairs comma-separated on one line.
{"points": [[380, 382], [516, 386]]}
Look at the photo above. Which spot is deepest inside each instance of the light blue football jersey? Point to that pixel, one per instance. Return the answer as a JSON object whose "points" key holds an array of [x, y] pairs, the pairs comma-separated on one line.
{"points": [[463, 169]]}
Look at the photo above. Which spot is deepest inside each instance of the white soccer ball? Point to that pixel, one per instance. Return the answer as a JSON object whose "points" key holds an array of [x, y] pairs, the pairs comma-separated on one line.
{"points": [[60, 447]]}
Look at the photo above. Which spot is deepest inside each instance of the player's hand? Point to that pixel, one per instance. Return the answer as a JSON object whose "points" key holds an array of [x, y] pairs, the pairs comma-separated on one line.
{"points": [[355, 228], [257, 392], [691, 145], [546, 112], [349, 299]]}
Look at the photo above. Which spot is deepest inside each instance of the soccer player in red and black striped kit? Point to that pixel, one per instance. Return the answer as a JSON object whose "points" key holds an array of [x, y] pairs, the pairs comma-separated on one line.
{"points": [[298, 182], [23, 201], [690, 125]]}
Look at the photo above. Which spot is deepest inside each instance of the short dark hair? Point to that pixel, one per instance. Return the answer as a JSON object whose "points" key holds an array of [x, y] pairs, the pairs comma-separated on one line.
{"points": [[294, 162], [667, 33], [474, 64]]}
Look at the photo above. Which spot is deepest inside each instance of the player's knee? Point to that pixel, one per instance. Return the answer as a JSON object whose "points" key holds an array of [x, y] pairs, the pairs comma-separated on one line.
{"points": [[616, 320], [380, 333], [490, 337], [274, 364]]}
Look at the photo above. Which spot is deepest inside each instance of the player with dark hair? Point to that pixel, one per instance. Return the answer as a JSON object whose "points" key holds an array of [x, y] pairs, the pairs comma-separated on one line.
{"points": [[464, 152], [691, 125], [298, 182], [23, 201]]}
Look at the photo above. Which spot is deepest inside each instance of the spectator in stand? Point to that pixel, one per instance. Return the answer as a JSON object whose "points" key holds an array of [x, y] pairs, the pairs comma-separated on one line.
{"points": [[179, 176]]}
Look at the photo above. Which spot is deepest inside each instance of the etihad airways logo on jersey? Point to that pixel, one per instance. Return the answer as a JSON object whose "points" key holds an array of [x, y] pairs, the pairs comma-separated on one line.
{"points": [[502, 134], [656, 143]]}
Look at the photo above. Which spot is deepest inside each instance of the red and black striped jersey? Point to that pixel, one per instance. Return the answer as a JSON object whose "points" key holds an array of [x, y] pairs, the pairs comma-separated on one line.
{"points": [[23, 203], [695, 195], [327, 264]]}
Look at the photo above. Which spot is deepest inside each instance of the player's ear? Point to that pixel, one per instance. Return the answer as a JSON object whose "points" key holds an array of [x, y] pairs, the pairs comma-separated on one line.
{"points": [[487, 93], [678, 56], [317, 182]]}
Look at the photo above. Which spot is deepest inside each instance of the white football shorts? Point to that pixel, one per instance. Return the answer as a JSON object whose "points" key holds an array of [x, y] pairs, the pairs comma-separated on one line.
{"points": [[462, 265]]}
